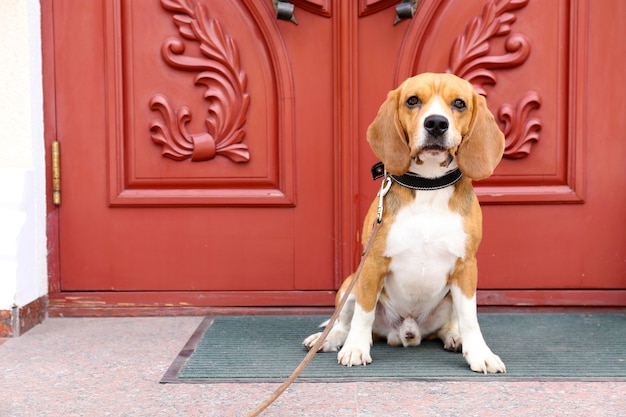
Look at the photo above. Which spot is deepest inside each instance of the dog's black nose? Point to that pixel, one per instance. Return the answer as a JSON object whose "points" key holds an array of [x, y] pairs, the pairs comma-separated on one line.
{"points": [[436, 125], [409, 335]]}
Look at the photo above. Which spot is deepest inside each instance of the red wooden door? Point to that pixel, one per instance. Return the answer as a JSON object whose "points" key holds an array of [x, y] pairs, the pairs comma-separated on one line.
{"points": [[554, 215], [214, 156], [190, 173]]}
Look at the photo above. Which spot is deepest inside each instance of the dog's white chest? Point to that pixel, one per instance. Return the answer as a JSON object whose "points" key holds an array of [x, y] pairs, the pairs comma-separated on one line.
{"points": [[424, 244]]}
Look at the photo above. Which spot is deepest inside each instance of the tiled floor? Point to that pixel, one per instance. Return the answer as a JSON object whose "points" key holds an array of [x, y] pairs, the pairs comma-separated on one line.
{"points": [[111, 367]]}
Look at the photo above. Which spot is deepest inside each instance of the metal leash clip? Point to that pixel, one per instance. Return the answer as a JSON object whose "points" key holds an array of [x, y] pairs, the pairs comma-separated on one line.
{"points": [[384, 188]]}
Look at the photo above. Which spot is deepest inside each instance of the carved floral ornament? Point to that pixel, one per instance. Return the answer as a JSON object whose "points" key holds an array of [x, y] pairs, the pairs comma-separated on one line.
{"points": [[470, 59], [219, 71]]}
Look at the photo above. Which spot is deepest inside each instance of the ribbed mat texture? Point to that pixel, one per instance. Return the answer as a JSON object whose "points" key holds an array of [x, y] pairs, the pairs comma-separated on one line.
{"points": [[533, 346]]}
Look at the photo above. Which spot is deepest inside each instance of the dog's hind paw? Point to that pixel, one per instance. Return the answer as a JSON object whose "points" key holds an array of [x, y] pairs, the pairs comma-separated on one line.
{"points": [[451, 342], [333, 342], [310, 341]]}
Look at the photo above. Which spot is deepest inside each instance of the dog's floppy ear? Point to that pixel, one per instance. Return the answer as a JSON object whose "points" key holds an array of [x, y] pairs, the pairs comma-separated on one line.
{"points": [[387, 138], [482, 147]]}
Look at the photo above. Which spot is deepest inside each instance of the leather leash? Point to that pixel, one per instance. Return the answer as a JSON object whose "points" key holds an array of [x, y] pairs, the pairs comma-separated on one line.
{"points": [[318, 344], [384, 188]]}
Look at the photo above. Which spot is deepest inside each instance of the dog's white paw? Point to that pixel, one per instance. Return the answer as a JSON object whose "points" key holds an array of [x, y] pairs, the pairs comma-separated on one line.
{"points": [[310, 341], [451, 341], [485, 361], [333, 342], [409, 333], [351, 355]]}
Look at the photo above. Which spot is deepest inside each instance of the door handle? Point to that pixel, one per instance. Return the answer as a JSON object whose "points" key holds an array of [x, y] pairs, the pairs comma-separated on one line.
{"points": [[284, 10], [405, 10]]}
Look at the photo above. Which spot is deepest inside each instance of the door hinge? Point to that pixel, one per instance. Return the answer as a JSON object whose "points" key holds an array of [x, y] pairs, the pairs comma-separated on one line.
{"points": [[56, 174]]}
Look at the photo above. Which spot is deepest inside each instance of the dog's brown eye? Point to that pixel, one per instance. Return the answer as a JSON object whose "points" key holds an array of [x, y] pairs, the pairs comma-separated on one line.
{"points": [[459, 104], [413, 101]]}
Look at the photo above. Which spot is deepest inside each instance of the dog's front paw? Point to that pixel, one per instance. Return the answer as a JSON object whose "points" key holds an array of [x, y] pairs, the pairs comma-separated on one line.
{"points": [[485, 361], [354, 355]]}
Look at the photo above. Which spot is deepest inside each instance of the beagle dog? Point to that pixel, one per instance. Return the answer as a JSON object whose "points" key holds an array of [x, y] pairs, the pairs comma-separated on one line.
{"points": [[434, 134]]}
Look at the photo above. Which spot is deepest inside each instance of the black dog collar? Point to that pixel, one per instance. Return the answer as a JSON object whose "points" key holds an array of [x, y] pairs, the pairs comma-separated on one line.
{"points": [[415, 182]]}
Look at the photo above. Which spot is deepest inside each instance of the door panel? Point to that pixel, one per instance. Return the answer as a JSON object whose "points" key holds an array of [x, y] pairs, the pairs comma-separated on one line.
{"points": [[550, 222], [181, 161], [212, 94]]}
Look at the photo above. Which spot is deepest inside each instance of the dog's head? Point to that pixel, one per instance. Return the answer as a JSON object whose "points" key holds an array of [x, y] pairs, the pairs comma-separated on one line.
{"points": [[436, 118]]}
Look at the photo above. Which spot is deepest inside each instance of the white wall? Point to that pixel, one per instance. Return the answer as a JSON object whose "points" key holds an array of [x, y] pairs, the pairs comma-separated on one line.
{"points": [[23, 265]]}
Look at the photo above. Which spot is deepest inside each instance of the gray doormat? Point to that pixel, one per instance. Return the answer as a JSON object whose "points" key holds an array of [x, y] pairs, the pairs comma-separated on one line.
{"points": [[550, 346]]}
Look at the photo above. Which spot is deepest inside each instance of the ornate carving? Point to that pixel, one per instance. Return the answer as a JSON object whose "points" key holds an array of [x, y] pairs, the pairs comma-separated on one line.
{"points": [[225, 83], [520, 130], [471, 60], [469, 56]]}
